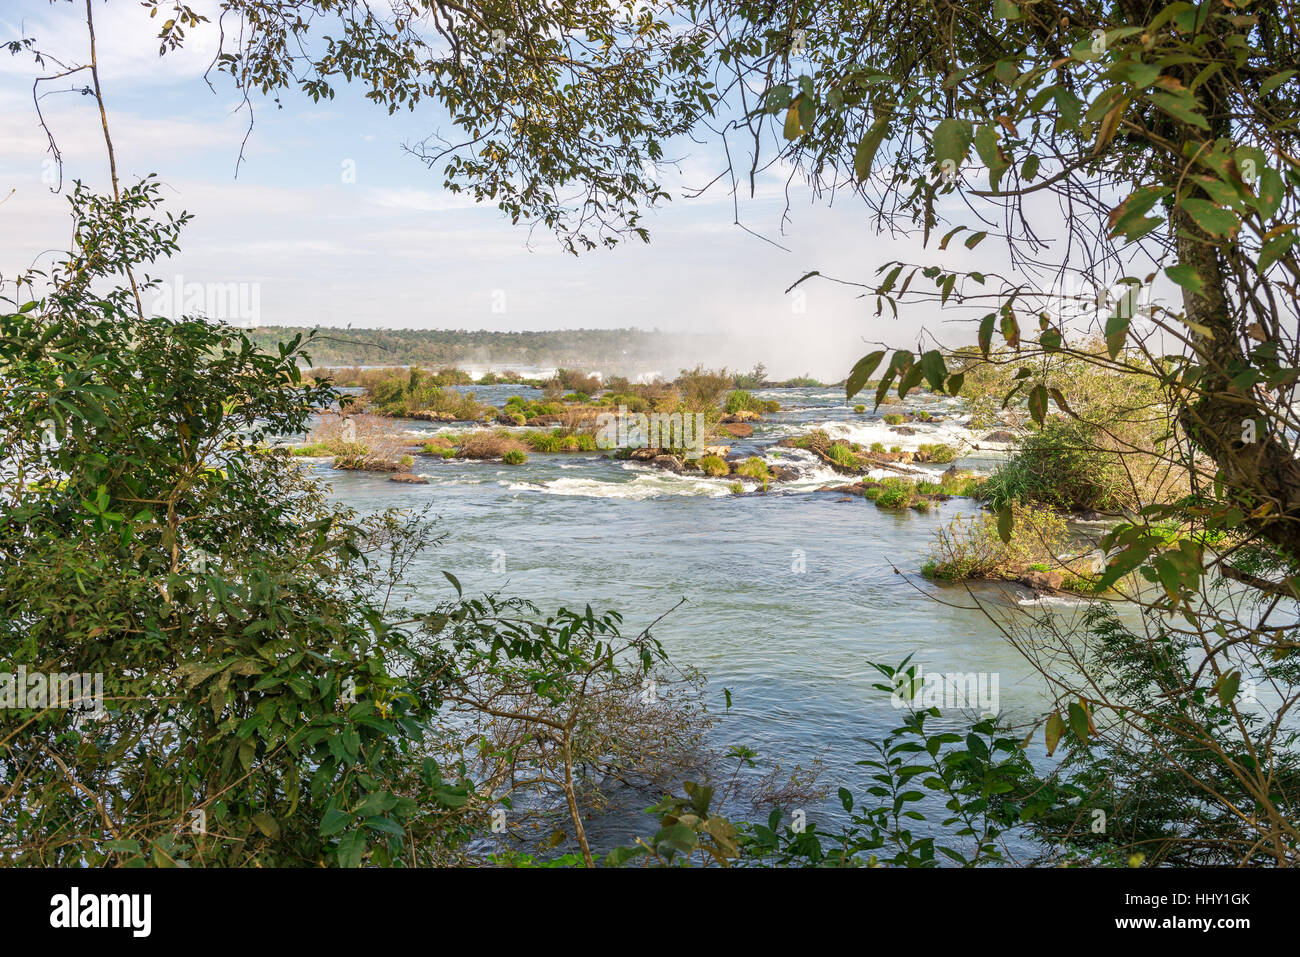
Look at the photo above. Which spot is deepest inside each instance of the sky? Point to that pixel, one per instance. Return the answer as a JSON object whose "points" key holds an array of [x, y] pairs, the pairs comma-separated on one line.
{"points": [[329, 222]]}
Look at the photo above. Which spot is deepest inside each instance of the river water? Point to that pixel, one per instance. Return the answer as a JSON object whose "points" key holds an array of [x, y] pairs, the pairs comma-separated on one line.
{"points": [[790, 594]]}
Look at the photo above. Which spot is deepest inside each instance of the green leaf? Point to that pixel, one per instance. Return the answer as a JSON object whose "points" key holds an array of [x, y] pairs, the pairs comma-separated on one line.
{"points": [[1038, 403], [266, 824], [952, 138], [352, 848], [1006, 522], [1005, 10], [1116, 332], [1218, 222], [864, 156], [1079, 721], [1274, 81], [1227, 687], [793, 130], [991, 155], [333, 822], [1186, 276], [934, 369], [1271, 191], [1181, 106], [1274, 249], [986, 333], [862, 371], [1129, 217], [1122, 564], [1055, 728]]}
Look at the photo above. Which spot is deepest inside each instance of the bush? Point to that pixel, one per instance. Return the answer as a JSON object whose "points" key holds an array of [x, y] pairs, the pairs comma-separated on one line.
{"points": [[878, 447], [940, 454], [754, 468], [816, 440], [488, 445], [972, 549], [1066, 464], [893, 418], [841, 454], [414, 391], [515, 457], [896, 493], [714, 465], [859, 409]]}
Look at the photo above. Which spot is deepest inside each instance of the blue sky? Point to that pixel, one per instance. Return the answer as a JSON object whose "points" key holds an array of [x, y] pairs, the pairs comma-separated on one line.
{"points": [[393, 249]]}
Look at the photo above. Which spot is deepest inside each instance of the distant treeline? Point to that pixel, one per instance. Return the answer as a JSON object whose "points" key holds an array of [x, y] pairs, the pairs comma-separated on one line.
{"points": [[604, 348]]}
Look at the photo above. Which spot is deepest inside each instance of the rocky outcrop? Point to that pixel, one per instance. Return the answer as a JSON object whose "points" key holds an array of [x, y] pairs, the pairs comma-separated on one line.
{"points": [[410, 478], [744, 415], [670, 462], [783, 473], [430, 415], [1049, 581], [999, 436], [738, 429]]}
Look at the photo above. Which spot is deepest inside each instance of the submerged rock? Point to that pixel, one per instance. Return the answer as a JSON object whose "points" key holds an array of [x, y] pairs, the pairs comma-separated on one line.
{"points": [[410, 478], [1044, 581], [738, 429]]}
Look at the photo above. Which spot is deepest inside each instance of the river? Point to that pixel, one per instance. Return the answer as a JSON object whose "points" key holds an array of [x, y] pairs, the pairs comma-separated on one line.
{"points": [[790, 594]]}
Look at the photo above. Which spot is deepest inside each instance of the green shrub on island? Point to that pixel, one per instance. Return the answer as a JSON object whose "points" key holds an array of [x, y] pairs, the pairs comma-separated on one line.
{"points": [[971, 548], [486, 444], [804, 381], [841, 454], [754, 468], [895, 493], [515, 457], [558, 440], [859, 409], [736, 488], [878, 447], [816, 440], [633, 403], [442, 451], [938, 453], [417, 391], [893, 418], [1067, 464], [714, 465], [406, 461]]}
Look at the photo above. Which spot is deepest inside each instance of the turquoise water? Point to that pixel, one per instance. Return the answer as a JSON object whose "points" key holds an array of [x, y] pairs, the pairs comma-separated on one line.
{"points": [[790, 594]]}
